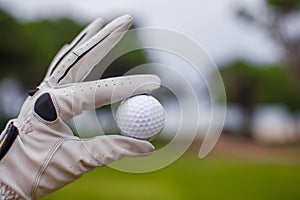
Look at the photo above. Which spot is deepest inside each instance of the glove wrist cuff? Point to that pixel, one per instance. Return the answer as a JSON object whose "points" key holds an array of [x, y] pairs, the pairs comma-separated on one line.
{"points": [[7, 138]]}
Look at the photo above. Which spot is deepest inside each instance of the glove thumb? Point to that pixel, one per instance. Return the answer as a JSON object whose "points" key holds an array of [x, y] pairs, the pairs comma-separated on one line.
{"points": [[106, 149], [76, 156]]}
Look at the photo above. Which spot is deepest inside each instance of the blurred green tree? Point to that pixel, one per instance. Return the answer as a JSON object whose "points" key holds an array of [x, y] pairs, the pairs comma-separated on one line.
{"points": [[250, 85], [27, 48], [280, 20]]}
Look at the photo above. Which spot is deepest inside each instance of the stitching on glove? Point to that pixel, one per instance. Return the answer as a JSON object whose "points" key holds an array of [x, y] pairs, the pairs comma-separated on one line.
{"points": [[86, 149], [79, 58], [45, 165], [66, 53]]}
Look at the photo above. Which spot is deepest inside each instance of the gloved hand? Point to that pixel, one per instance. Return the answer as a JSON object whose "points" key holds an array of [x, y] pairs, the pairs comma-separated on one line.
{"points": [[38, 151]]}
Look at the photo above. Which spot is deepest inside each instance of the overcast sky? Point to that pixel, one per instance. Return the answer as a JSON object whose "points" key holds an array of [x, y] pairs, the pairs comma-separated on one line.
{"points": [[213, 24]]}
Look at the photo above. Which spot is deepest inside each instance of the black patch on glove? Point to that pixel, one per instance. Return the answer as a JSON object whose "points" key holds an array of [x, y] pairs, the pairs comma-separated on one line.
{"points": [[7, 139], [44, 107]]}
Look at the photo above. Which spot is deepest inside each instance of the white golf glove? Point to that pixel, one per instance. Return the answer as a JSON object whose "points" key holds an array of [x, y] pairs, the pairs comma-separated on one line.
{"points": [[38, 152]]}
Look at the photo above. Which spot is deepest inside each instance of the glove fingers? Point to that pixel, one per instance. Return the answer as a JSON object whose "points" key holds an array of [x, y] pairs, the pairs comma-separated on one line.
{"points": [[106, 149], [89, 95], [82, 37], [77, 64], [88, 32]]}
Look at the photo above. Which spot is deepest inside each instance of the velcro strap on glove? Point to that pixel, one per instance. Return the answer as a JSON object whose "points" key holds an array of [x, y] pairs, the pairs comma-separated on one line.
{"points": [[6, 193], [7, 138]]}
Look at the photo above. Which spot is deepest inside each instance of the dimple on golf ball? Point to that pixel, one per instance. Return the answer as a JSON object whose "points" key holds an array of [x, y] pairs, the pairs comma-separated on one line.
{"points": [[140, 117]]}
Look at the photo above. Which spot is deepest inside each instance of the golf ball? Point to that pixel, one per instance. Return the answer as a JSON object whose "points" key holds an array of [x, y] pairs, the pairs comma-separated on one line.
{"points": [[140, 117]]}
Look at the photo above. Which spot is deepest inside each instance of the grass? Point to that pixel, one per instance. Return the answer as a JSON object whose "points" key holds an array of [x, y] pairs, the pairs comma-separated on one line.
{"points": [[215, 177]]}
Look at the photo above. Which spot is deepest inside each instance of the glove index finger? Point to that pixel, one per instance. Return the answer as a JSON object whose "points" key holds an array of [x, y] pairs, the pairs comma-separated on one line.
{"points": [[78, 97]]}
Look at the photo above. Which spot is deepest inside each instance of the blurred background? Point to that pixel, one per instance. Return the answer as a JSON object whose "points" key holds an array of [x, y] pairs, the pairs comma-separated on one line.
{"points": [[254, 43]]}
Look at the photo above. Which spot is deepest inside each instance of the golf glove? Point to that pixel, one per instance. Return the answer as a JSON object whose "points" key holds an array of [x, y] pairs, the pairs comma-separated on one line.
{"points": [[38, 151]]}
